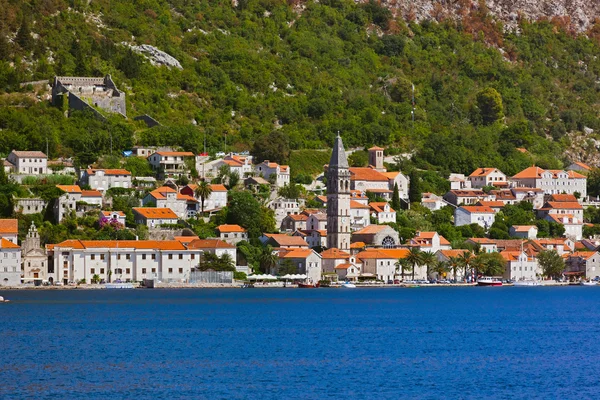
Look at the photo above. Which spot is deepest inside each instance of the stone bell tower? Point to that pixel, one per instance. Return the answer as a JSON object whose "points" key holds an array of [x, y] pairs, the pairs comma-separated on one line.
{"points": [[338, 198]]}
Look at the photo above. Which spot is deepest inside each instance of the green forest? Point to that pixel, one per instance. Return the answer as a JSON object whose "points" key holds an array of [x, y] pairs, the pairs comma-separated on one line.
{"points": [[308, 70]]}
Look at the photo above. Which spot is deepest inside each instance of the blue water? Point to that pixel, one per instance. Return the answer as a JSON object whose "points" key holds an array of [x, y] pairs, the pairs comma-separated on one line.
{"points": [[426, 343]]}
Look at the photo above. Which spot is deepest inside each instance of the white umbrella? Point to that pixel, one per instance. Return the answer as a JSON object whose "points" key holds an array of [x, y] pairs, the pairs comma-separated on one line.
{"points": [[287, 276], [253, 277], [271, 277], [301, 276]]}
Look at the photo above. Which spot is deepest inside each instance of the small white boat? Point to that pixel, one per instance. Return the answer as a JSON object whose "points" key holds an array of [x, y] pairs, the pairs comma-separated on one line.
{"points": [[590, 283], [2, 300], [528, 283], [117, 285], [488, 281], [348, 285]]}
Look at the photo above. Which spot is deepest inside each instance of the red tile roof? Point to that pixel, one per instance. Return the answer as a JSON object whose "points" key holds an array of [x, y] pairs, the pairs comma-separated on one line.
{"points": [[155, 213], [9, 226], [125, 244], [69, 188], [367, 174], [90, 193], [218, 188], [334, 253], [175, 153], [484, 172], [230, 228], [7, 244], [209, 244], [34, 154], [478, 209], [92, 171], [295, 253], [283, 240]]}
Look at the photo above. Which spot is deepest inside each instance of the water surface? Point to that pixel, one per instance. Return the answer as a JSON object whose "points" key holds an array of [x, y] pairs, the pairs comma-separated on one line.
{"points": [[424, 343]]}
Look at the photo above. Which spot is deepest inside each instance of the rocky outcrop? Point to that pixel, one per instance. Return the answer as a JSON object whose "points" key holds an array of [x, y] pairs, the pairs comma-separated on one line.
{"points": [[156, 56], [579, 14]]}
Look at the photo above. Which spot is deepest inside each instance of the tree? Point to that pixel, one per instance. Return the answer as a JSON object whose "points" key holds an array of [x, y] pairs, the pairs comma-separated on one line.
{"points": [[403, 265], [414, 189], [233, 179], [286, 267], [4, 47], [291, 191], [395, 203], [551, 262], [245, 210], [465, 260], [491, 264], [203, 191], [216, 263], [415, 259], [138, 166], [24, 38], [490, 106], [274, 147], [428, 259], [440, 268], [268, 259], [454, 264], [359, 158]]}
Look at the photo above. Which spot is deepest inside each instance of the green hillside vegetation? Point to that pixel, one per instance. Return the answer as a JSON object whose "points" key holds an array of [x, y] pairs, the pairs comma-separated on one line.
{"points": [[308, 162], [479, 93]]}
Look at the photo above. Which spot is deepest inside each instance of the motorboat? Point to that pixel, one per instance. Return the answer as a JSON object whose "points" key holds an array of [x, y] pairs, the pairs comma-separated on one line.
{"points": [[117, 285], [528, 283], [348, 285], [588, 283], [3, 300], [489, 281], [308, 285]]}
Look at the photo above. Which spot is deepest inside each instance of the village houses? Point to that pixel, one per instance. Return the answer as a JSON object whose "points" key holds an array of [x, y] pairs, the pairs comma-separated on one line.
{"points": [[27, 162]]}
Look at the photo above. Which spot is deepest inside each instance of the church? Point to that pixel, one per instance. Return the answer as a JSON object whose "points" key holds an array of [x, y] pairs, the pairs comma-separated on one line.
{"points": [[339, 188]]}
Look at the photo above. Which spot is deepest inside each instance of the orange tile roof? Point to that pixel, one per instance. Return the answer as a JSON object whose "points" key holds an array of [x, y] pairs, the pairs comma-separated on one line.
{"points": [[425, 235], [583, 254], [469, 193], [218, 188], [526, 189], [356, 205], [491, 204], [233, 163], [10, 226], [529, 173], [357, 245], [7, 244], [563, 198], [343, 266], [478, 209], [567, 205], [334, 253], [155, 213], [521, 149], [69, 188], [322, 198], [376, 148], [295, 253], [379, 191], [483, 171], [283, 240], [523, 228], [379, 206], [186, 197], [367, 174], [560, 218], [230, 228], [382, 253], [210, 244], [92, 171], [444, 241], [90, 193], [452, 253], [510, 255], [371, 229], [21, 154], [185, 239], [391, 175], [125, 244], [482, 240], [582, 165], [109, 213], [192, 186], [298, 217]]}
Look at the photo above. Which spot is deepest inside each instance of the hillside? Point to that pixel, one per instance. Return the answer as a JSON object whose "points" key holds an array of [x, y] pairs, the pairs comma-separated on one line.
{"points": [[309, 70]]}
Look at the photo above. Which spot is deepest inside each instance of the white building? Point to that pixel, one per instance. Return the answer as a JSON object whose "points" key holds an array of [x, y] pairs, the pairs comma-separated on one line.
{"points": [[430, 242], [316, 222], [217, 247], [10, 263], [281, 172], [432, 201], [27, 205], [28, 162], [154, 217], [459, 182], [166, 197], [552, 181], [104, 179], [482, 177], [110, 216], [381, 264], [9, 229], [232, 234], [382, 212], [170, 163], [306, 261], [91, 197], [482, 215], [573, 225], [67, 202], [519, 266], [125, 260], [283, 207], [524, 231]]}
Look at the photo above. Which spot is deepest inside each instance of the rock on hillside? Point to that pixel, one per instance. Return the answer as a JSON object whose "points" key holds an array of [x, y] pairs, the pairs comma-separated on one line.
{"points": [[580, 14]]}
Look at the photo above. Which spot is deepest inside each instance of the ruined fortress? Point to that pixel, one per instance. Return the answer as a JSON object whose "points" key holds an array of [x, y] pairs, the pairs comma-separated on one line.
{"points": [[84, 93]]}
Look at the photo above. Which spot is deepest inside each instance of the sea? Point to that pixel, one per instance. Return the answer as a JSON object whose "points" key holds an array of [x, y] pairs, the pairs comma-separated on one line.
{"points": [[396, 343]]}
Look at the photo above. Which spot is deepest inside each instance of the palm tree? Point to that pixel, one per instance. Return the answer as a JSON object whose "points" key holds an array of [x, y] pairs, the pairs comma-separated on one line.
{"points": [[465, 260], [454, 263], [403, 265], [478, 264], [268, 259], [414, 259], [203, 191], [440, 267], [428, 259]]}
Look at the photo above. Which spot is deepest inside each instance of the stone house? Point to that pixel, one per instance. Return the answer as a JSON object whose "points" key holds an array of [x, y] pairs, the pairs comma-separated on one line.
{"points": [[28, 162], [154, 217], [104, 179]]}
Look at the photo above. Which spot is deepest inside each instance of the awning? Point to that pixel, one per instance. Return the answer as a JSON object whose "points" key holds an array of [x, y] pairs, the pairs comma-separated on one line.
{"points": [[574, 273]]}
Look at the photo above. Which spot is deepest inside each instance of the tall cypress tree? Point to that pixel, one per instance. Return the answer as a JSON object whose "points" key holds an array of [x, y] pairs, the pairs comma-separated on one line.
{"points": [[396, 198], [414, 191], [23, 37]]}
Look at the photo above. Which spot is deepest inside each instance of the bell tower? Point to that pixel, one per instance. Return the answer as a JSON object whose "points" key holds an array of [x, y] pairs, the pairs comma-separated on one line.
{"points": [[32, 241], [338, 198]]}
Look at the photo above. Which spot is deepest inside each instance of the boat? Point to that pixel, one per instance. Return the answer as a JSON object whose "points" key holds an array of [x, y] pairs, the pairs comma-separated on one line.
{"points": [[2, 300], [488, 281], [588, 283], [528, 283], [118, 285], [308, 285], [348, 285]]}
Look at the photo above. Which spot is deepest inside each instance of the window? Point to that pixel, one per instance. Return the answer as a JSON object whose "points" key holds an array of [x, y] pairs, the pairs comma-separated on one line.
{"points": [[181, 256], [154, 256], [128, 270], [93, 257], [170, 256], [170, 270], [143, 270], [143, 256], [193, 257], [92, 270], [128, 256], [181, 270], [102, 256], [101, 270], [153, 270], [118, 257], [66, 264]]}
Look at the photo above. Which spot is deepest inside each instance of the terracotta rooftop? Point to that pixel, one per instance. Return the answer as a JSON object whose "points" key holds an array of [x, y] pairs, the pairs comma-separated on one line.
{"points": [[477, 209], [582, 165], [230, 228], [9, 226], [209, 244], [90, 193], [371, 229], [382, 253], [484, 172], [218, 188], [109, 213], [32, 154], [175, 153], [356, 205], [125, 244], [379, 206], [7, 244], [335, 253], [295, 253], [69, 188], [155, 213], [298, 217], [523, 228], [562, 198], [92, 171], [283, 240], [367, 174]]}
